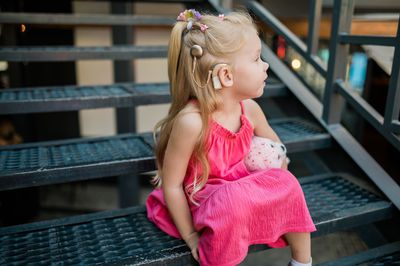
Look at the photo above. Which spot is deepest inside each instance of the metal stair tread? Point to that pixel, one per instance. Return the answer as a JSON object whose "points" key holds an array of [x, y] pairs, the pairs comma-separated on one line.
{"points": [[70, 98], [72, 53], [84, 19], [126, 236], [35, 164], [388, 254]]}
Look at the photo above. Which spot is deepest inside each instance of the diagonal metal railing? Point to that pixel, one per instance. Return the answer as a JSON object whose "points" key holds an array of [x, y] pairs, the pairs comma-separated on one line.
{"points": [[329, 110], [335, 86]]}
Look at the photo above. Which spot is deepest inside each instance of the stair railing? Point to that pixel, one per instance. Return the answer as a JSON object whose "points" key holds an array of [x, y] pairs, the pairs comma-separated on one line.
{"points": [[329, 111]]}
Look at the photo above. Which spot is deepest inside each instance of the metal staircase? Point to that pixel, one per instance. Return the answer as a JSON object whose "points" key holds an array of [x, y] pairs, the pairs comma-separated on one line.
{"points": [[125, 236]]}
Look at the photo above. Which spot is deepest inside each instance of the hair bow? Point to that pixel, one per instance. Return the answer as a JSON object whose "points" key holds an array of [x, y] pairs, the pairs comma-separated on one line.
{"points": [[204, 27]]}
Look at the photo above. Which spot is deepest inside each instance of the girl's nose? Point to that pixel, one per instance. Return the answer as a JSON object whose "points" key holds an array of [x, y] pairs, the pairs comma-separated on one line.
{"points": [[266, 66]]}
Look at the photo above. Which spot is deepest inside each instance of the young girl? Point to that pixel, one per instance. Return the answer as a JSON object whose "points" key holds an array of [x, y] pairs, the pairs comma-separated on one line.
{"points": [[208, 197]]}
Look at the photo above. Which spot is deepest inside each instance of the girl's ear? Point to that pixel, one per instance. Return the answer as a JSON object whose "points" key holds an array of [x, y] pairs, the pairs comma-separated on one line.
{"points": [[225, 76]]}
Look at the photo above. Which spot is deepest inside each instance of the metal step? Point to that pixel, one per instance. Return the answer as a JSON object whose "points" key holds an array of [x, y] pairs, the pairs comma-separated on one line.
{"points": [[385, 255], [300, 135], [126, 236], [42, 163], [84, 19], [73, 53], [71, 98]]}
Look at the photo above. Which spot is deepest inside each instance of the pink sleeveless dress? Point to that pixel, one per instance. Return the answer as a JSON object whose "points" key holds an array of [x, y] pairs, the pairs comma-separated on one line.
{"points": [[237, 208]]}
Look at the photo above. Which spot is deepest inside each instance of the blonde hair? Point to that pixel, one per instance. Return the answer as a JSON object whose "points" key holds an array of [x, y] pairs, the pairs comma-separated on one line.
{"points": [[219, 42]]}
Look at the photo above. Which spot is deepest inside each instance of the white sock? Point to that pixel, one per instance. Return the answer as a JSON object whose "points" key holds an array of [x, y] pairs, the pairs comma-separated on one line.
{"points": [[293, 262]]}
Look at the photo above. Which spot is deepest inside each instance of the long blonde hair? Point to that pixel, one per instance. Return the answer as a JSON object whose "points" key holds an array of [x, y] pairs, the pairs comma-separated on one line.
{"points": [[219, 41]]}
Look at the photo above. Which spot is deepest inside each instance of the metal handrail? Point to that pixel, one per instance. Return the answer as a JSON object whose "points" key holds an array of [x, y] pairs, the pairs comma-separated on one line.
{"points": [[329, 111], [313, 26], [392, 110], [396, 127], [366, 40], [286, 34], [334, 74], [364, 109], [339, 42]]}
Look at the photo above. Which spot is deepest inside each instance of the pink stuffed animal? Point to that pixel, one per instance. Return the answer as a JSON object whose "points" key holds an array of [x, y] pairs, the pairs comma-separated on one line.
{"points": [[265, 153]]}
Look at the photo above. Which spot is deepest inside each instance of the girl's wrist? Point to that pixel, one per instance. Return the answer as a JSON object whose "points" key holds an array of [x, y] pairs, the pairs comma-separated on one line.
{"points": [[188, 236], [192, 239]]}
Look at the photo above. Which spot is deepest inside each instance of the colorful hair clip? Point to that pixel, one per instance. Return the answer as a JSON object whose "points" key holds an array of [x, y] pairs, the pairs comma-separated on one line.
{"points": [[221, 16], [204, 27], [189, 16], [189, 25], [182, 16]]}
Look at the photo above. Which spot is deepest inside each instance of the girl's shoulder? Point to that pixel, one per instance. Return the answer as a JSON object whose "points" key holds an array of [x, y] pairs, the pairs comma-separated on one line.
{"points": [[191, 107], [189, 120], [252, 109], [250, 105]]}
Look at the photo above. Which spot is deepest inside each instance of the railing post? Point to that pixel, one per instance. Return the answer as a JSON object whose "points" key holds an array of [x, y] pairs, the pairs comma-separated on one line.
{"points": [[393, 98], [128, 185], [123, 69], [313, 26], [341, 22]]}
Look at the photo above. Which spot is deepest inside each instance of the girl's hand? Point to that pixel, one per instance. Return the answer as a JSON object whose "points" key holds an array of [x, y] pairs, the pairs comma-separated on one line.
{"points": [[193, 243], [284, 164]]}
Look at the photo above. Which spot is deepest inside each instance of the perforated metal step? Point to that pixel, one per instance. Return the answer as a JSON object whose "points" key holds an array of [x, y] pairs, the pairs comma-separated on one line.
{"points": [[300, 135], [84, 19], [127, 237], [70, 98], [73, 53], [44, 163], [385, 255]]}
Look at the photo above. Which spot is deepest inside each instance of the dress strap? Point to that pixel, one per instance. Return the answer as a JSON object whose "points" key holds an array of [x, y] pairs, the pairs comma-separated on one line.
{"points": [[193, 101], [242, 105]]}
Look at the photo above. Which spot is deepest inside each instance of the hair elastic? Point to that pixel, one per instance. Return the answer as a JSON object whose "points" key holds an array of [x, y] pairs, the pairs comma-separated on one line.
{"points": [[204, 27]]}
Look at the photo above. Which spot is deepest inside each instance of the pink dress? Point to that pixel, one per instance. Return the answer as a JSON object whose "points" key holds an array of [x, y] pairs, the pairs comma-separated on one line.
{"points": [[237, 208]]}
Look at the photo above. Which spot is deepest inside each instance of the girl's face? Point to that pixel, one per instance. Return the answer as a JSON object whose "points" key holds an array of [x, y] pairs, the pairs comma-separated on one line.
{"points": [[249, 71]]}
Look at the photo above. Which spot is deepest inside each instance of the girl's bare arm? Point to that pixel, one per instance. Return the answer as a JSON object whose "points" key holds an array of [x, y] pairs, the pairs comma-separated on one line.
{"points": [[259, 121], [184, 136]]}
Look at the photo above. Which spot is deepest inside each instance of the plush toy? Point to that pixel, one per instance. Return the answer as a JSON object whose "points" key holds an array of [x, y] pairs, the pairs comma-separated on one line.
{"points": [[265, 153]]}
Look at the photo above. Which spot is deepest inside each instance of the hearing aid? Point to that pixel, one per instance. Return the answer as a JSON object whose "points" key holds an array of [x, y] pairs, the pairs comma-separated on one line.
{"points": [[196, 51], [215, 75]]}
